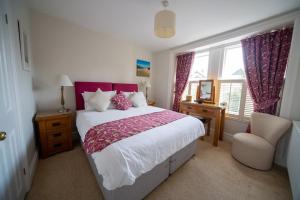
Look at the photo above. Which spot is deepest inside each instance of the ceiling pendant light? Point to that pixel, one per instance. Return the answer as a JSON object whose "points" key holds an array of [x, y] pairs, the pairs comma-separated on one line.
{"points": [[164, 23]]}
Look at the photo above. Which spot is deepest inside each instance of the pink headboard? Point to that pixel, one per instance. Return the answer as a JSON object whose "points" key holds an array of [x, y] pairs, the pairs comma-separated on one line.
{"points": [[125, 87], [81, 87]]}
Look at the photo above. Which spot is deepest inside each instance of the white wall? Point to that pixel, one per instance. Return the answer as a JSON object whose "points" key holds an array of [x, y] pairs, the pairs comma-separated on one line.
{"points": [[162, 92], [24, 92], [290, 106], [60, 47], [164, 70]]}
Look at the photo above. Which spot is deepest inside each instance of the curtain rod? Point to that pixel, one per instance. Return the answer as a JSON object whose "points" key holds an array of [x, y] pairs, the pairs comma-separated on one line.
{"points": [[276, 28], [273, 30]]}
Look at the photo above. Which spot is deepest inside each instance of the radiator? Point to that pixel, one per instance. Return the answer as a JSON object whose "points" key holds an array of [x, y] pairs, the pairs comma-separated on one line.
{"points": [[293, 160]]}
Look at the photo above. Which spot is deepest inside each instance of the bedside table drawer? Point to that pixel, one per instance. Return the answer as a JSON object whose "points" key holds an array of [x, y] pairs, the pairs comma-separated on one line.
{"points": [[57, 146], [56, 124], [57, 136]]}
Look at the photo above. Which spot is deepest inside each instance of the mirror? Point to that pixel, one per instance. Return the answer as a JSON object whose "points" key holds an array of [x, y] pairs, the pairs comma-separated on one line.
{"points": [[206, 91]]}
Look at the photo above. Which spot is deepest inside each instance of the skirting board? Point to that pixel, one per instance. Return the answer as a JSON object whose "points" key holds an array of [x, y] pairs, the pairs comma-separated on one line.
{"points": [[32, 168], [227, 136]]}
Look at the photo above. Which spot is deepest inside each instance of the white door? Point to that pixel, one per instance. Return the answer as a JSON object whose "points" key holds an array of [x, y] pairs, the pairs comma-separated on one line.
{"points": [[11, 170]]}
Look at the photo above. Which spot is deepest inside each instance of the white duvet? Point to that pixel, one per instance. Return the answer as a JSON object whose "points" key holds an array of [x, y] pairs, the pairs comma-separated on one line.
{"points": [[124, 161]]}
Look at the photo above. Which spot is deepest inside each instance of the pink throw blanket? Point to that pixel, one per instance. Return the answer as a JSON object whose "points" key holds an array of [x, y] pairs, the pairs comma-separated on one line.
{"points": [[101, 136]]}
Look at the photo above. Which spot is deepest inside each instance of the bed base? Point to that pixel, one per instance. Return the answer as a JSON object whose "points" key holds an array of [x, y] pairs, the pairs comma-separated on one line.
{"points": [[148, 181]]}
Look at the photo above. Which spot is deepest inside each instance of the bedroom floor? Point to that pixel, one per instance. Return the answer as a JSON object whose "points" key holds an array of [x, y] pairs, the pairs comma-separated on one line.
{"points": [[211, 175]]}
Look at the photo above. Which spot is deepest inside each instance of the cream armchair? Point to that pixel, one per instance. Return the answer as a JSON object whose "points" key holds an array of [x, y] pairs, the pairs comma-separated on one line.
{"points": [[256, 149]]}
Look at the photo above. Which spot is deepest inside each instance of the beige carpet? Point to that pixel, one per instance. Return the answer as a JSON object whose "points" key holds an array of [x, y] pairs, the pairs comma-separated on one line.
{"points": [[211, 175]]}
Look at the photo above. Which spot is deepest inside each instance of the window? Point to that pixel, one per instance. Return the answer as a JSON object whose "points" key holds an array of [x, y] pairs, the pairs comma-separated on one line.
{"points": [[231, 93], [237, 98], [198, 72], [233, 65], [199, 69], [225, 64], [233, 87]]}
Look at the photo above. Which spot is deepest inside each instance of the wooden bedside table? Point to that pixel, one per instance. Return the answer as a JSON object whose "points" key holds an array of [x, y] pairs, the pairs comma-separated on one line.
{"points": [[54, 132], [151, 103]]}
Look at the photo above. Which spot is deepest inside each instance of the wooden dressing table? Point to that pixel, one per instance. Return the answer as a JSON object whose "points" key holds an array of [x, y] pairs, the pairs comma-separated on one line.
{"points": [[207, 110]]}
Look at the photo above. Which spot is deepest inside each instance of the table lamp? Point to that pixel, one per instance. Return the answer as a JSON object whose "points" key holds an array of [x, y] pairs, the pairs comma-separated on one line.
{"points": [[64, 81], [148, 85]]}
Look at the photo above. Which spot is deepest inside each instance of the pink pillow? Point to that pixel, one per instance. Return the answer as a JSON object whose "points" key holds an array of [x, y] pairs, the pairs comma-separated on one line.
{"points": [[121, 102]]}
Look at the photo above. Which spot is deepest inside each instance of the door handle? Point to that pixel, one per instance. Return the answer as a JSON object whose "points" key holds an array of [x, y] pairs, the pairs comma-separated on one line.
{"points": [[2, 136]]}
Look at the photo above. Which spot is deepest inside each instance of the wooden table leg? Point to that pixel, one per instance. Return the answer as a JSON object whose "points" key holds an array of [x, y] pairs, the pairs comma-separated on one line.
{"points": [[222, 124], [217, 130], [208, 127]]}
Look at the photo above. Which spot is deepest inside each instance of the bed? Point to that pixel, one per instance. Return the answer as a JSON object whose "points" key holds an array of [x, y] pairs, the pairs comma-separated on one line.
{"points": [[131, 168]]}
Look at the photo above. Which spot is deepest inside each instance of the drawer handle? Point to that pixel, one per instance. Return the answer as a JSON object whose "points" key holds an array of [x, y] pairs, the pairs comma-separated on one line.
{"points": [[57, 145], [189, 107], [56, 134], [204, 110], [56, 124]]}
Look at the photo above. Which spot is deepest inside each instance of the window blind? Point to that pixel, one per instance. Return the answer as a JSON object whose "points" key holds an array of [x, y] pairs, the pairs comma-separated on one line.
{"points": [[248, 105], [231, 93]]}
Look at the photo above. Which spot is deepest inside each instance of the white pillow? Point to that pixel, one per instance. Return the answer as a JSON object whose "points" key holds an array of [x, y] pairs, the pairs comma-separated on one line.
{"points": [[127, 94], [87, 95], [111, 95], [138, 99], [99, 101]]}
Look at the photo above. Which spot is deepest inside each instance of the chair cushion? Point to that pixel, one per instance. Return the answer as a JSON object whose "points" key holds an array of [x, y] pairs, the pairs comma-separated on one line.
{"points": [[252, 151]]}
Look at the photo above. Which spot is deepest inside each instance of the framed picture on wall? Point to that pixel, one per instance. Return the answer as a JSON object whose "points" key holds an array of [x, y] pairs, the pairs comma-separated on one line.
{"points": [[142, 68], [24, 47]]}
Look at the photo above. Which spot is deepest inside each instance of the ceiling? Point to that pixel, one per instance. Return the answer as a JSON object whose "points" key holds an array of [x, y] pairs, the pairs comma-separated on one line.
{"points": [[133, 20]]}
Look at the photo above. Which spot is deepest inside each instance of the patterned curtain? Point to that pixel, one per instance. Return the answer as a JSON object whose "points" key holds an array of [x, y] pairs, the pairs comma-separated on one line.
{"points": [[265, 58], [184, 64]]}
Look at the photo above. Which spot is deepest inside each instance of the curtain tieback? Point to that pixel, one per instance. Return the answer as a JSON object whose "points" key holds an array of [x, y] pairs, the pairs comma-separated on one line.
{"points": [[266, 104]]}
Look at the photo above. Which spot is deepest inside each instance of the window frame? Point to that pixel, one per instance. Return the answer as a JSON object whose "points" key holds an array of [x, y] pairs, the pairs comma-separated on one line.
{"points": [[241, 116], [201, 54], [189, 83], [216, 62], [223, 57]]}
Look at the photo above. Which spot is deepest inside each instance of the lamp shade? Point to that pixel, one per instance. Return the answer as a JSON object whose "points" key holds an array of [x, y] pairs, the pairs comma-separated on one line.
{"points": [[64, 80], [164, 24], [148, 85]]}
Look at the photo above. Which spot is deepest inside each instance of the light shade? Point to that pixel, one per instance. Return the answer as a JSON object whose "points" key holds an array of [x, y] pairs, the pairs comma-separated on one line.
{"points": [[64, 80], [164, 25], [148, 85]]}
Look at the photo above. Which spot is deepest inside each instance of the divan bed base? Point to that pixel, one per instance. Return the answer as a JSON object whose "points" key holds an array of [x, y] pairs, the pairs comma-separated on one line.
{"points": [[148, 181]]}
